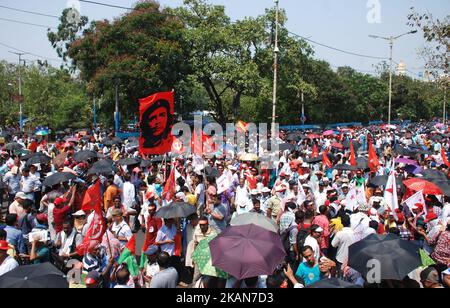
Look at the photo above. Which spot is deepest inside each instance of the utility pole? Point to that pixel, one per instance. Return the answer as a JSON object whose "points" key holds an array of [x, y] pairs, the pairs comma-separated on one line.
{"points": [[116, 113], [95, 115], [20, 54], [275, 71], [303, 108], [391, 40]]}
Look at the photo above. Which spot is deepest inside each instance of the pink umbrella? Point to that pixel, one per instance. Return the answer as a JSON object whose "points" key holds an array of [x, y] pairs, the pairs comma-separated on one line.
{"points": [[73, 139], [406, 161], [328, 133]]}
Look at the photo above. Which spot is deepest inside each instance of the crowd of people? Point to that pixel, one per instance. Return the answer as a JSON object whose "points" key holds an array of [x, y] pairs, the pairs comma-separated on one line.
{"points": [[307, 197]]}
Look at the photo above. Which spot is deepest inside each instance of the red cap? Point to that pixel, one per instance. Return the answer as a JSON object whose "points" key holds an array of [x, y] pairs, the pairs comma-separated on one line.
{"points": [[419, 206], [42, 218], [400, 217], [150, 194], [430, 216], [59, 201], [4, 245]]}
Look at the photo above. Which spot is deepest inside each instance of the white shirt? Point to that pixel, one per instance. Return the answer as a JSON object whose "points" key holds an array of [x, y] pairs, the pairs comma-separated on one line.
{"points": [[128, 195], [122, 230], [8, 265], [200, 194], [310, 241], [242, 196], [342, 240]]}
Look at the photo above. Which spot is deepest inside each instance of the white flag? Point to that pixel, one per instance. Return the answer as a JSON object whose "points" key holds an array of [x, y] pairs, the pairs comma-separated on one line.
{"points": [[352, 199], [224, 182], [301, 194], [198, 164], [390, 193], [414, 199]]}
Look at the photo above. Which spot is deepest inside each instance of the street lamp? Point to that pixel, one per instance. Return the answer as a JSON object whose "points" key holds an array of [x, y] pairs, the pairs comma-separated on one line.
{"points": [[276, 50], [391, 40], [20, 54]]}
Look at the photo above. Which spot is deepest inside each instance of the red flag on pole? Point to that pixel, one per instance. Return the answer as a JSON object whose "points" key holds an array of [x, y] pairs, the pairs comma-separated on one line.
{"points": [[156, 121], [315, 152], [325, 160], [444, 157], [352, 154], [169, 189], [94, 234], [93, 198], [374, 163]]}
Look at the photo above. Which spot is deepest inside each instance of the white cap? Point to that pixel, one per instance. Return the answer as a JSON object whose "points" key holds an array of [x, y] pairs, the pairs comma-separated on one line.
{"points": [[344, 186], [21, 195], [232, 168], [254, 192], [373, 212], [265, 190], [305, 165], [319, 229], [79, 213], [181, 196]]}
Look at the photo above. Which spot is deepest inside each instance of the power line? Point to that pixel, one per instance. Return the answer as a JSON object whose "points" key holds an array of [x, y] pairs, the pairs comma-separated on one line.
{"points": [[126, 8], [108, 5], [29, 12], [26, 23], [337, 49], [30, 53]]}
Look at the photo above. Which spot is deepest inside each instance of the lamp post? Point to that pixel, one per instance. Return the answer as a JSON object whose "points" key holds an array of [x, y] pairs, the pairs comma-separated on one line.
{"points": [[276, 50], [20, 54], [391, 40]]}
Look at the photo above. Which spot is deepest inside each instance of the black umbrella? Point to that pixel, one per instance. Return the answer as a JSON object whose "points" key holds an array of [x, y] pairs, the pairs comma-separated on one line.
{"points": [[444, 186], [345, 167], [432, 174], [85, 155], [332, 283], [13, 146], [129, 161], [346, 144], [58, 178], [176, 210], [381, 180], [145, 163], [43, 275], [319, 158], [295, 136], [396, 258], [362, 163], [286, 146], [212, 172], [157, 159], [38, 159], [104, 167], [113, 141]]}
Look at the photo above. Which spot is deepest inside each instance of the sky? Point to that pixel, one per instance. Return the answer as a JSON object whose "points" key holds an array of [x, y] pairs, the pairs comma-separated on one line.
{"points": [[344, 25]]}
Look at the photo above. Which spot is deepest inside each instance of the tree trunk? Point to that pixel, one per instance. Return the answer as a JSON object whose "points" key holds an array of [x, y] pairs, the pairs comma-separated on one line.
{"points": [[215, 98], [236, 104]]}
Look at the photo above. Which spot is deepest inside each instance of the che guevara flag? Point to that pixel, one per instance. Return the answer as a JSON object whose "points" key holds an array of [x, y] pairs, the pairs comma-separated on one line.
{"points": [[352, 154], [444, 157], [156, 121]]}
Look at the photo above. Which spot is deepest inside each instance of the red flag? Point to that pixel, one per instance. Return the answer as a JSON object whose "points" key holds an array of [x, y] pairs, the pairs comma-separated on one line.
{"points": [[197, 143], [169, 189], [315, 152], [352, 154], [444, 157], [131, 245], [177, 146], [94, 234], [156, 121], [326, 161], [374, 163], [93, 198]]}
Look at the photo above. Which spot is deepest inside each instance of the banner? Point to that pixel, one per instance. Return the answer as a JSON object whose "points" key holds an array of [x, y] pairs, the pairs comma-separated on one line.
{"points": [[156, 121]]}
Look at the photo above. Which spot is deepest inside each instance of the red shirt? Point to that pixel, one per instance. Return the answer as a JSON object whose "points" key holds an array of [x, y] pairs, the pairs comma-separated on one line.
{"points": [[153, 225], [252, 181], [60, 214]]}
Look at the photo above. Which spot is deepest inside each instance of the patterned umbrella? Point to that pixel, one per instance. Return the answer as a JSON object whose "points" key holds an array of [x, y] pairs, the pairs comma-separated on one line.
{"points": [[202, 258]]}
